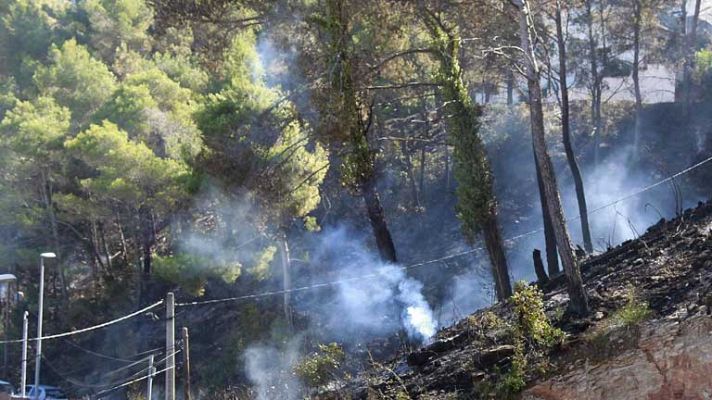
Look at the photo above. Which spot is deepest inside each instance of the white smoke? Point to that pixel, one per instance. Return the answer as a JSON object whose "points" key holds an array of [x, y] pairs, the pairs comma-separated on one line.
{"points": [[372, 298], [270, 371], [417, 316]]}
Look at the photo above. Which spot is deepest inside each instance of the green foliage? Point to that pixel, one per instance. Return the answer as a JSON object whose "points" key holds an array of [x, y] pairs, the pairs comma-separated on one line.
{"points": [[632, 313], [322, 366], [261, 270], [248, 130], [114, 23], [192, 272], [513, 381], [475, 197], [75, 79], [35, 129], [27, 30], [127, 172], [528, 304]]}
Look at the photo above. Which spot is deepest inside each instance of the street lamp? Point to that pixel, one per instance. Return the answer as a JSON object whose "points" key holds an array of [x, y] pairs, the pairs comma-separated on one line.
{"points": [[39, 323]]}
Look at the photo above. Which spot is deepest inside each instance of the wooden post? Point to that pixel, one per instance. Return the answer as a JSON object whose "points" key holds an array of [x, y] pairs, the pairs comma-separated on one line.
{"points": [[151, 372], [170, 348], [23, 374], [186, 365]]}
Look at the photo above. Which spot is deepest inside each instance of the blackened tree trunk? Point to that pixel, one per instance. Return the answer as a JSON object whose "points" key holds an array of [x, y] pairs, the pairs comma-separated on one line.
{"points": [[578, 303], [384, 241], [566, 133], [541, 276], [552, 257], [495, 250]]}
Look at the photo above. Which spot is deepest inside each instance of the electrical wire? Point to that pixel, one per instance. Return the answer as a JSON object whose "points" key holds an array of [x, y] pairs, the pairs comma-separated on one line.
{"points": [[99, 394], [88, 329], [438, 260]]}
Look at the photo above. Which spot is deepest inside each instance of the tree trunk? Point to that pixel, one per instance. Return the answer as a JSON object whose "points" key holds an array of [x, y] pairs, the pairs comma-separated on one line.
{"points": [[539, 268], [105, 246], [122, 236], [552, 257], [447, 168], [495, 249], [510, 87], [384, 242], [286, 280], [421, 183], [147, 239], [690, 41], [566, 133], [637, 26], [47, 192], [578, 303], [596, 80], [411, 174]]}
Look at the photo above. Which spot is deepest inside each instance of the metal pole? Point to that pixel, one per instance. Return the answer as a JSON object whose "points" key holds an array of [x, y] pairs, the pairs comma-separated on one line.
{"points": [[23, 381], [39, 331], [186, 365], [151, 371], [170, 348]]}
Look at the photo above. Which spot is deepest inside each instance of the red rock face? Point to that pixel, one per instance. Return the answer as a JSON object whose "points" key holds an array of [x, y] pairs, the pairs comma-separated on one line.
{"points": [[672, 360]]}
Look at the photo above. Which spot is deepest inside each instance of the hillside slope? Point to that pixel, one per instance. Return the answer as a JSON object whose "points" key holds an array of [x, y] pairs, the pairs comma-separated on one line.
{"points": [[649, 335]]}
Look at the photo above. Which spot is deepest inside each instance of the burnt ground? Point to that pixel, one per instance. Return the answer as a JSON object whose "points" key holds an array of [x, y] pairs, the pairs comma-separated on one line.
{"points": [[669, 267]]}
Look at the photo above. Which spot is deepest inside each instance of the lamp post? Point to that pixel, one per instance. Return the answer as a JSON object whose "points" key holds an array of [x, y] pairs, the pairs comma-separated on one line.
{"points": [[39, 323]]}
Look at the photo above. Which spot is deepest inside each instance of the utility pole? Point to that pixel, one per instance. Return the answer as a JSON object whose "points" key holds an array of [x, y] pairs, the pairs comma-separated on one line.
{"points": [[170, 347], [151, 372], [186, 365], [23, 373]]}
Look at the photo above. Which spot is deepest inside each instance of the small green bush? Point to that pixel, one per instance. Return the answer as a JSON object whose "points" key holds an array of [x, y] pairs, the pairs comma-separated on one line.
{"points": [[528, 304], [320, 367], [632, 313]]}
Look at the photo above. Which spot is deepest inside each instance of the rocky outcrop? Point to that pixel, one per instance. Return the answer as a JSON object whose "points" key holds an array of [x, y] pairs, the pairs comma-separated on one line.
{"points": [[671, 360]]}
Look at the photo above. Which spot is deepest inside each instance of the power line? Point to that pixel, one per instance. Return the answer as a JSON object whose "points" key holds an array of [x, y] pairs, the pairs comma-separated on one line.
{"points": [[91, 328], [437, 260], [99, 355], [131, 382], [138, 379]]}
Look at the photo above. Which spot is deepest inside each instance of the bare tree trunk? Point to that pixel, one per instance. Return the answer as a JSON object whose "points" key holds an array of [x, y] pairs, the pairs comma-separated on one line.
{"points": [[122, 236], [447, 167], [690, 41], [596, 81], [421, 183], [148, 237], [510, 87], [384, 241], [541, 276], [286, 280], [578, 303], [566, 133], [495, 249], [411, 174], [637, 26], [105, 246], [47, 193], [552, 257]]}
